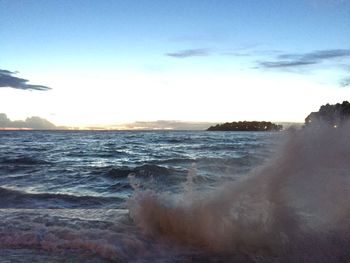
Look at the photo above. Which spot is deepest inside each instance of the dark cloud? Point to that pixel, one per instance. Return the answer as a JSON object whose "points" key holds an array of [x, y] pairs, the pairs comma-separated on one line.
{"points": [[285, 64], [305, 59], [34, 122], [318, 55], [189, 53], [7, 80], [335, 58]]}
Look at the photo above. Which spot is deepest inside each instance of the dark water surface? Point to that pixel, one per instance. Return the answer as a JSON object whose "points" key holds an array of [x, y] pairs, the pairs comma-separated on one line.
{"points": [[169, 196], [63, 193], [86, 169]]}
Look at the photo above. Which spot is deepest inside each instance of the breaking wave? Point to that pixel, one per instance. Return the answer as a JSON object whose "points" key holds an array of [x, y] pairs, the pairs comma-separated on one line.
{"points": [[19, 199], [294, 208]]}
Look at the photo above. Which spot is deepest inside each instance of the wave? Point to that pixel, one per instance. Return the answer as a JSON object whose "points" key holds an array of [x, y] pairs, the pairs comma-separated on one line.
{"points": [[176, 161], [147, 170], [19, 199], [294, 208], [23, 160], [56, 232], [109, 234]]}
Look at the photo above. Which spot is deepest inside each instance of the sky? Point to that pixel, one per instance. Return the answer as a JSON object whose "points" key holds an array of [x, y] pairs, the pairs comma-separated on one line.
{"points": [[83, 62]]}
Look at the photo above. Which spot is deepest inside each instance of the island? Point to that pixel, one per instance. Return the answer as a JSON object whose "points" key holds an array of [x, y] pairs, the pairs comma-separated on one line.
{"points": [[246, 126]]}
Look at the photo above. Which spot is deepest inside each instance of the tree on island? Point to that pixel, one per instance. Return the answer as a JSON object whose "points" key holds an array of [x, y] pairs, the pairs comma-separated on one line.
{"points": [[333, 115], [246, 126]]}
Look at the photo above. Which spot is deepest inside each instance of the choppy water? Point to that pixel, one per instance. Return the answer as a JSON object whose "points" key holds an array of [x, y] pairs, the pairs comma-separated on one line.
{"points": [[174, 196], [90, 169]]}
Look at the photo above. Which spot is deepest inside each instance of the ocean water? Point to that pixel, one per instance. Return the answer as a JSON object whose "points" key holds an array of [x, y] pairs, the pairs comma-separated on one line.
{"points": [[175, 196]]}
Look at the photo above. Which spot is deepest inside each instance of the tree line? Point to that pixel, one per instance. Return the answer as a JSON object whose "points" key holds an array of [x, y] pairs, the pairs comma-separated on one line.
{"points": [[246, 126]]}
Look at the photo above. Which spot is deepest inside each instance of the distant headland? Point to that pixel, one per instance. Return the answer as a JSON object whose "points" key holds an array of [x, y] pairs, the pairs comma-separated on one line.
{"points": [[246, 126]]}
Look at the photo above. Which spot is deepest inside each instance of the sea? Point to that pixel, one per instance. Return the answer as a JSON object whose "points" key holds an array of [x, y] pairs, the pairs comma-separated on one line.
{"points": [[175, 196]]}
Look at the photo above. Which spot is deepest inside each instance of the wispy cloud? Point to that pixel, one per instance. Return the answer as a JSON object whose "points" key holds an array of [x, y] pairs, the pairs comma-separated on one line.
{"points": [[305, 59], [285, 64], [187, 53], [345, 82], [335, 58], [7, 80], [318, 54]]}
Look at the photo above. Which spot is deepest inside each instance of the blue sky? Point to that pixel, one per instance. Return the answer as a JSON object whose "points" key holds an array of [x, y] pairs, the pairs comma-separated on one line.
{"points": [[110, 62]]}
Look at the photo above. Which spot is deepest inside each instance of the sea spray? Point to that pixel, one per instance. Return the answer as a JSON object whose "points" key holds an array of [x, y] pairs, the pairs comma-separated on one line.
{"points": [[294, 208]]}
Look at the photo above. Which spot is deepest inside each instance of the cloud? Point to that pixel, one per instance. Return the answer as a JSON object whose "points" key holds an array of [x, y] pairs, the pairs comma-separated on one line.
{"points": [[189, 53], [285, 64], [345, 82], [34, 122], [305, 59], [335, 58], [318, 55], [7, 80]]}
